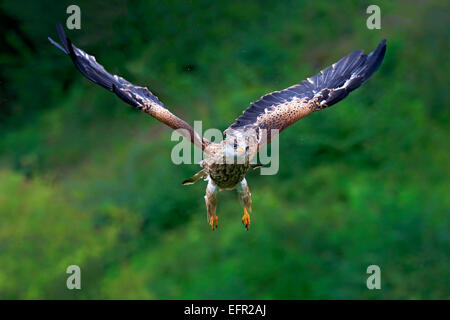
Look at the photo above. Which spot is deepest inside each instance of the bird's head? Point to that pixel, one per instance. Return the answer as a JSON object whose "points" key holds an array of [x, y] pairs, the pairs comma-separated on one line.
{"points": [[237, 150]]}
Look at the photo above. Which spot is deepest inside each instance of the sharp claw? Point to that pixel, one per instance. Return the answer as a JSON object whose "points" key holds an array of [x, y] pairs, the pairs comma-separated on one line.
{"points": [[213, 222], [246, 219]]}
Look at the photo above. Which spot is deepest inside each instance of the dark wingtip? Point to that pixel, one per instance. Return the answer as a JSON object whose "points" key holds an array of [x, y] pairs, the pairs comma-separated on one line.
{"points": [[70, 49], [376, 58], [56, 44], [382, 47], [62, 37]]}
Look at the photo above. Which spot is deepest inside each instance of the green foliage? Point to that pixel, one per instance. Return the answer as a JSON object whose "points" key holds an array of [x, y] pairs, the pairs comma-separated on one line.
{"points": [[86, 180], [42, 233]]}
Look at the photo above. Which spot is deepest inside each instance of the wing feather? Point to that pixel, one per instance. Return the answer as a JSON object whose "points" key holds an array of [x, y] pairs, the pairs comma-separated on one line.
{"points": [[139, 97], [280, 109]]}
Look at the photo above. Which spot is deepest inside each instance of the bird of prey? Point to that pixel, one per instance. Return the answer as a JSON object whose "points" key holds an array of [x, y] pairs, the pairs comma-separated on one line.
{"points": [[273, 112]]}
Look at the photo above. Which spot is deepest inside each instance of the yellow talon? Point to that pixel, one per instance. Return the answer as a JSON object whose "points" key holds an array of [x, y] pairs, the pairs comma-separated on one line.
{"points": [[246, 219], [213, 222]]}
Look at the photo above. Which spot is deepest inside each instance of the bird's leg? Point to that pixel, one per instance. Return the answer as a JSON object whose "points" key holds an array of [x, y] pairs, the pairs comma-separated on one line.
{"points": [[245, 197], [211, 201]]}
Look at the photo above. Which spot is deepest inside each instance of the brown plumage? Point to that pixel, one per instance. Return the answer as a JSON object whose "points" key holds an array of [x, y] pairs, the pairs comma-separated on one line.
{"points": [[279, 109], [225, 164]]}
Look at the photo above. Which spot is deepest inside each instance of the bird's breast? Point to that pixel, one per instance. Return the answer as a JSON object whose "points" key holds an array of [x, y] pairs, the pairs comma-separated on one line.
{"points": [[227, 176]]}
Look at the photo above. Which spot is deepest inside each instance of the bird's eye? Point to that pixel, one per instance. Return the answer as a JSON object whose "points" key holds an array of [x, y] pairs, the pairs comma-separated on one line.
{"points": [[246, 148]]}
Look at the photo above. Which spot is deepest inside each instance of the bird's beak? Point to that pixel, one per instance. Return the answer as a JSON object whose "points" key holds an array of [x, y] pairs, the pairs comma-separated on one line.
{"points": [[239, 151]]}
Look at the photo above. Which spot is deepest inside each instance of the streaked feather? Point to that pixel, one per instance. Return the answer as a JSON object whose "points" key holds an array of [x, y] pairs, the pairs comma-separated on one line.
{"points": [[280, 109], [139, 97]]}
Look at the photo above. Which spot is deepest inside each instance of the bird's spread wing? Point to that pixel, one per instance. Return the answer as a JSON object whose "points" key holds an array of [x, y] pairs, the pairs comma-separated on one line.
{"points": [[139, 97], [280, 109]]}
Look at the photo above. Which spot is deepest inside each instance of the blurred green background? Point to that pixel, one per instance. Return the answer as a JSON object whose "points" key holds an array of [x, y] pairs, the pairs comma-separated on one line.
{"points": [[87, 180]]}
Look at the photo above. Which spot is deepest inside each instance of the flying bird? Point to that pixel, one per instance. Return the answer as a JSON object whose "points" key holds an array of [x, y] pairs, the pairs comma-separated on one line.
{"points": [[226, 163]]}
